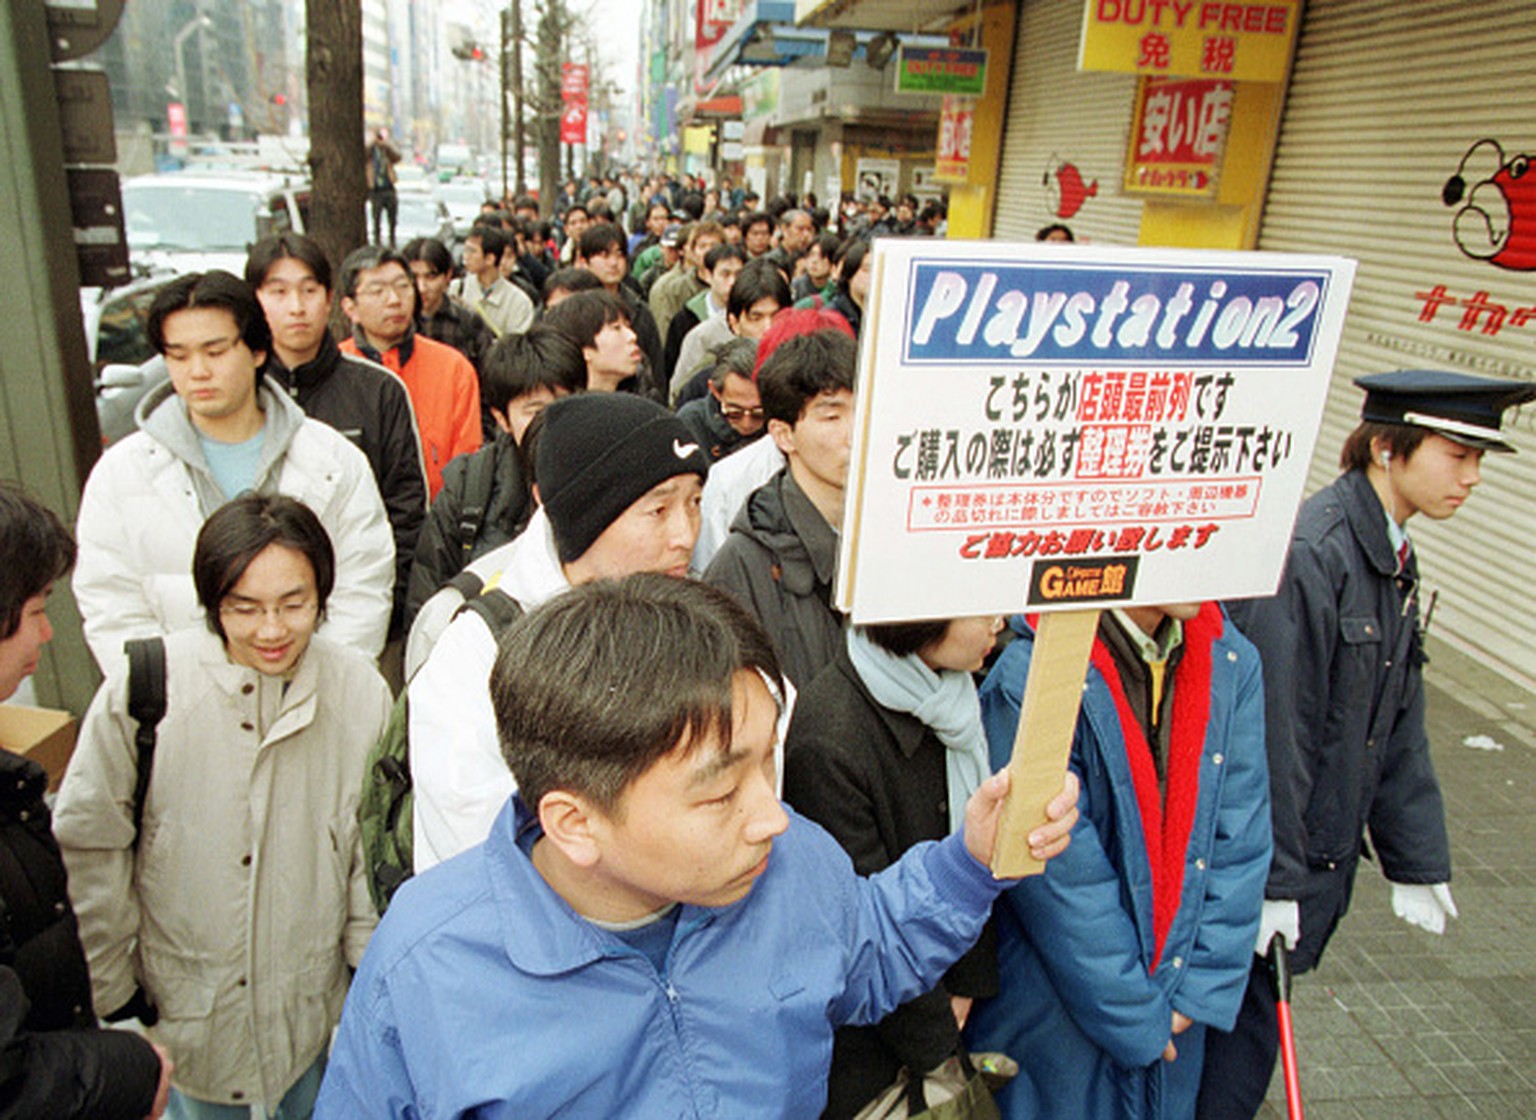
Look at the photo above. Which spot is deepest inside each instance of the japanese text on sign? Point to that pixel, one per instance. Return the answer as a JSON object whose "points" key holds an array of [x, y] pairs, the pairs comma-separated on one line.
{"points": [[1143, 418], [1189, 38]]}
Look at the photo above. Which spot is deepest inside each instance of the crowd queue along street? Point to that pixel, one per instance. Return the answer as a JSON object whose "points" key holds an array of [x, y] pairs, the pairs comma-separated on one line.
{"points": [[737, 558]]}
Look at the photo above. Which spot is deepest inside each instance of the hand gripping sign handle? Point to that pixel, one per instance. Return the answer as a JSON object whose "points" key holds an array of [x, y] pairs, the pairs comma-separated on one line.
{"points": [[1052, 695], [1280, 978]]}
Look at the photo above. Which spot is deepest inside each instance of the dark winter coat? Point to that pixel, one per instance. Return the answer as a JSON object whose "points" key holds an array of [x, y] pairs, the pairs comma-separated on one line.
{"points": [[779, 561], [710, 427], [53, 1062], [370, 406], [493, 475], [1344, 691], [875, 779]]}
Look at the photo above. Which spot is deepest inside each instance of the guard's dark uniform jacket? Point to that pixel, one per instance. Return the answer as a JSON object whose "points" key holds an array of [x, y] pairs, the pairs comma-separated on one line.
{"points": [[1344, 697]]}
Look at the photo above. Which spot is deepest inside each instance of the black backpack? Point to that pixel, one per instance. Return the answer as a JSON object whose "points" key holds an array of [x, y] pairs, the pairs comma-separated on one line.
{"points": [[384, 809]]}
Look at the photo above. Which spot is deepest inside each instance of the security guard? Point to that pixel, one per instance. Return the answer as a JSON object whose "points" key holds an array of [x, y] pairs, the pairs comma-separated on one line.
{"points": [[1343, 629]]}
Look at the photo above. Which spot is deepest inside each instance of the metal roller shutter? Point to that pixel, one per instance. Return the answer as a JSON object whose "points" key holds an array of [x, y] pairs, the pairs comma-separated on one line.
{"points": [[1057, 115], [1384, 101]]}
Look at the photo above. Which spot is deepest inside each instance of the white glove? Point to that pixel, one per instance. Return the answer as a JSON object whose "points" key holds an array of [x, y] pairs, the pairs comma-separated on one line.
{"points": [[1423, 905], [1282, 916]]}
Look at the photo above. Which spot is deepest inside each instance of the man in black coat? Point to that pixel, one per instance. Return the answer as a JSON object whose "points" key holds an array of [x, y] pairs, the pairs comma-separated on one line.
{"points": [[54, 1062], [365, 402]]}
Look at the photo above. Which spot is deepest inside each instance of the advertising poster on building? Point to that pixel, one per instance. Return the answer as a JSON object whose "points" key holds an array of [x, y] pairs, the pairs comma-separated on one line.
{"points": [[876, 177], [1178, 135], [1055, 427], [1249, 42]]}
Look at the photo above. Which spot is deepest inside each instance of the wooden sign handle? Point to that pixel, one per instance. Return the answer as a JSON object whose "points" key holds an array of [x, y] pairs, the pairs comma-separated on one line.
{"points": [[1041, 746]]}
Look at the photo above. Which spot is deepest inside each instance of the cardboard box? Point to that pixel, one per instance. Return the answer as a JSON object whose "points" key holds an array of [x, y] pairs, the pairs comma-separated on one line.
{"points": [[45, 735]]}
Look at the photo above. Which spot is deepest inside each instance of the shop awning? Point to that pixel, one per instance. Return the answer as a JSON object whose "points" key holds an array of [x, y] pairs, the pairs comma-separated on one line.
{"points": [[766, 35], [877, 15]]}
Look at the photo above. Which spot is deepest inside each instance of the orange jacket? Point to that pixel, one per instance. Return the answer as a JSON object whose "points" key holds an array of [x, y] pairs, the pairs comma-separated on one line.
{"points": [[445, 394]]}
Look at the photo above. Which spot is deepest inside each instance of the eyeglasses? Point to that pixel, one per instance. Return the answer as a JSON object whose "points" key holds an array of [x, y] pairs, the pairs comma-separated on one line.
{"points": [[736, 412], [402, 288], [254, 614]]}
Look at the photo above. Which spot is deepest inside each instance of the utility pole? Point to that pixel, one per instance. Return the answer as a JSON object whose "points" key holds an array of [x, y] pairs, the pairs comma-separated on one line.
{"points": [[518, 140], [501, 58]]}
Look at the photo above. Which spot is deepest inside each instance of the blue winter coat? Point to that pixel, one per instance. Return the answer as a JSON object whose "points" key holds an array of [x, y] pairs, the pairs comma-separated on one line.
{"points": [[1076, 1004], [484, 994]]}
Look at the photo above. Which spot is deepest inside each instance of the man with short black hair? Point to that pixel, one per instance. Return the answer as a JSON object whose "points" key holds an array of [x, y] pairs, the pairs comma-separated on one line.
{"points": [[365, 402], [574, 223], [602, 251], [780, 556], [758, 294], [483, 289], [757, 233], [379, 296], [721, 266], [214, 432], [439, 317], [598, 322], [646, 927]]}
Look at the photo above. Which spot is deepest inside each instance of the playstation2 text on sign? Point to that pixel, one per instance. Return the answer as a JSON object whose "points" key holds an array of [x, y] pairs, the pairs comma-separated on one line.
{"points": [[1068, 426]]}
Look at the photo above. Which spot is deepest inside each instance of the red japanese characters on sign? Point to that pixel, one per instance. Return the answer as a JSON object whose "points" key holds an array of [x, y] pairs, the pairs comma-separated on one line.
{"points": [[1178, 136], [573, 82], [573, 123], [713, 18], [952, 163]]}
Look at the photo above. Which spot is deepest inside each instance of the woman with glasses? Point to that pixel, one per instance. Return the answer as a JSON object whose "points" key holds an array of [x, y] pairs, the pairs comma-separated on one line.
{"points": [[227, 920]]}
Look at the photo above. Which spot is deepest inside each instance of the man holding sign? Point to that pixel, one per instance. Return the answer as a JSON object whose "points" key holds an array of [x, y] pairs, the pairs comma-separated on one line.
{"points": [[1112, 966], [1344, 691]]}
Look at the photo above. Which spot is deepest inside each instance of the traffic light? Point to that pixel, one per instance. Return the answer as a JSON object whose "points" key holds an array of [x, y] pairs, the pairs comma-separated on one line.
{"points": [[469, 52]]}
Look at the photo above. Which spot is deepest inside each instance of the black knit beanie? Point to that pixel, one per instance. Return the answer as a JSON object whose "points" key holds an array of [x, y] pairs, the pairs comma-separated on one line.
{"points": [[601, 452]]}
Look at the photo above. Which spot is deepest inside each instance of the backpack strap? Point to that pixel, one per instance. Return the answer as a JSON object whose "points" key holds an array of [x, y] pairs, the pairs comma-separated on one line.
{"points": [[146, 706], [467, 584], [479, 480], [497, 609]]}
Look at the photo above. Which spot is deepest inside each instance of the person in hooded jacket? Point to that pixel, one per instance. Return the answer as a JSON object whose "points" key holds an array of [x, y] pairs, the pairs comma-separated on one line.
{"points": [[780, 556], [214, 432], [237, 905]]}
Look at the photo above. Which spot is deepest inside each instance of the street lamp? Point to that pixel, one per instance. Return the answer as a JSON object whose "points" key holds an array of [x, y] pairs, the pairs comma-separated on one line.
{"points": [[195, 23]]}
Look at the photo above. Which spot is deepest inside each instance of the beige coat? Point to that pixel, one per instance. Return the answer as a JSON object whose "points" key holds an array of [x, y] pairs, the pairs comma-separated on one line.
{"points": [[248, 898]]}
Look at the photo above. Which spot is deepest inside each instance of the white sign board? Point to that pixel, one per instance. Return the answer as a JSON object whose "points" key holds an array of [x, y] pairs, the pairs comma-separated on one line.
{"points": [[1045, 426]]}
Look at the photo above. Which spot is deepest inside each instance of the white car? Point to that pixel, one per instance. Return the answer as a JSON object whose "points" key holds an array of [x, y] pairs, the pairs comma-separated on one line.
{"points": [[191, 221], [463, 197]]}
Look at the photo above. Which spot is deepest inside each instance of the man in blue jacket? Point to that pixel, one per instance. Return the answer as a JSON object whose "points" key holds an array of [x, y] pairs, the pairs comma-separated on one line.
{"points": [[647, 931], [1115, 964]]}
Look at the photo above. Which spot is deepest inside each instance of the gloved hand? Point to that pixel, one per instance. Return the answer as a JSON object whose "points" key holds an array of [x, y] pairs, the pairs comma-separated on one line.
{"points": [[1423, 905], [1282, 916]]}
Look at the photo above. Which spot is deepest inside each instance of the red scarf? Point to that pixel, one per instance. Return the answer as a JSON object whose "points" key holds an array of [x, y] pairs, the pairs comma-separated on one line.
{"points": [[1165, 828]]}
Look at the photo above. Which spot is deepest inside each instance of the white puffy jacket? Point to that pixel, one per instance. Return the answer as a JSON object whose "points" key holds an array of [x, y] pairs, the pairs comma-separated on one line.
{"points": [[150, 493]]}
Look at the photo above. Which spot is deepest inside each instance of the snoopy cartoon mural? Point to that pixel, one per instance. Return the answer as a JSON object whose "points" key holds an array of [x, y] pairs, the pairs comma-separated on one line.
{"points": [[1496, 221]]}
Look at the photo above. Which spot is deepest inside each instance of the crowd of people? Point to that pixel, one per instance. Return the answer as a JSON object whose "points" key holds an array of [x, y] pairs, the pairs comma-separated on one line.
{"points": [[548, 542]]}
